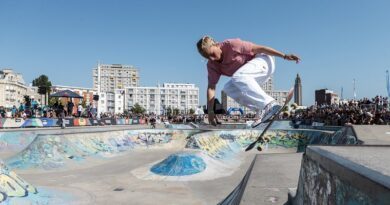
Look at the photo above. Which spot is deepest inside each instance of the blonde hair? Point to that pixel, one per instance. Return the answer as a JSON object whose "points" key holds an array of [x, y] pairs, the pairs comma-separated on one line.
{"points": [[204, 43]]}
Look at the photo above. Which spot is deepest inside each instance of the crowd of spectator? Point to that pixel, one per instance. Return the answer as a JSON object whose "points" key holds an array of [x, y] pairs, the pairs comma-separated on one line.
{"points": [[364, 112], [32, 109]]}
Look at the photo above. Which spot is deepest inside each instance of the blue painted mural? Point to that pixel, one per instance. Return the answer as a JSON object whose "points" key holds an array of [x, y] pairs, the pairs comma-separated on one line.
{"points": [[52, 151], [180, 164]]}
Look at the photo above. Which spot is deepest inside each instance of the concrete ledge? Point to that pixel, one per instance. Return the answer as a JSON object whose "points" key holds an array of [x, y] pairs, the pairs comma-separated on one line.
{"points": [[268, 180], [344, 174], [373, 134], [235, 196]]}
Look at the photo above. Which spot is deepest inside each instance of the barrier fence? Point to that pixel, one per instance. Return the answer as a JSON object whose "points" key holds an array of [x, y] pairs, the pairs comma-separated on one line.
{"points": [[69, 122]]}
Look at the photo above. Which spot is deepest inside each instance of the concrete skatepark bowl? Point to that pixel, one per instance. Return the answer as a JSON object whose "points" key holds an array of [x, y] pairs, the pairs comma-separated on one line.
{"points": [[125, 165]]}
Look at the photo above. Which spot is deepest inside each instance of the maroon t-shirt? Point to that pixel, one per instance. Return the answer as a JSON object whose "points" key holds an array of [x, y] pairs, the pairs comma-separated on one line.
{"points": [[235, 53]]}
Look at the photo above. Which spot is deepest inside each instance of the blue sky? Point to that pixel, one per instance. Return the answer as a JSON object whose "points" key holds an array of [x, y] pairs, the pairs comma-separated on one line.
{"points": [[337, 40]]}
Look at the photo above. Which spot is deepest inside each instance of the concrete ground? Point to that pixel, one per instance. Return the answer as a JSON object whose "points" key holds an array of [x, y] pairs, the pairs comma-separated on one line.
{"points": [[110, 182], [271, 178]]}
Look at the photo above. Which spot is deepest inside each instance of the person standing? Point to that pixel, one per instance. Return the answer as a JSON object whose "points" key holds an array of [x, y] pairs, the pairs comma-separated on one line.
{"points": [[79, 110], [70, 108]]}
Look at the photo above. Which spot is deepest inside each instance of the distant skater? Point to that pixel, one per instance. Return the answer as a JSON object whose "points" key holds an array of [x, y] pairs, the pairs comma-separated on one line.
{"points": [[249, 65]]}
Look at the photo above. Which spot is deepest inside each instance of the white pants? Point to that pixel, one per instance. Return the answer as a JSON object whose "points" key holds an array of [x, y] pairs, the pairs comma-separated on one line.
{"points": [[244, 85]]}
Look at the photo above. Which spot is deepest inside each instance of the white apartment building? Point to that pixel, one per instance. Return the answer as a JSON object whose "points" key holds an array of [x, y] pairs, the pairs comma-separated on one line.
{"points": [[13, 89], [109, 77], [279, 95], [157, 100], [114, 76]]}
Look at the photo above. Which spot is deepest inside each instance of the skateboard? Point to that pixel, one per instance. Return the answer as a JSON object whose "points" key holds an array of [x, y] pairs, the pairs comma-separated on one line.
{"points": [[261, 139]]}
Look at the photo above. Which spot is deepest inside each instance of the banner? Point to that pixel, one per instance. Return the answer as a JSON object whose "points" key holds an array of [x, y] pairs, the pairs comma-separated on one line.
{"points": [[49, 122], [15, 122], [69, 122], [81, 122]]}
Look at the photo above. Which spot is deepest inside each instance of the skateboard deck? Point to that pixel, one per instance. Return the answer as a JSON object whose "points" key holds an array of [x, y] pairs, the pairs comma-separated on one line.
{"points": [[261, 138]]}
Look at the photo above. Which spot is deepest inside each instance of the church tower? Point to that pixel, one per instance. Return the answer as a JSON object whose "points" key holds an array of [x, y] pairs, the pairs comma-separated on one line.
{"points": [[298, 90]]}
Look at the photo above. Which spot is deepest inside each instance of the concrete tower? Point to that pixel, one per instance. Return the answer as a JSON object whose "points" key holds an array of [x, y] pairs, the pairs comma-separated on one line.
{"points": [[298, 90]]}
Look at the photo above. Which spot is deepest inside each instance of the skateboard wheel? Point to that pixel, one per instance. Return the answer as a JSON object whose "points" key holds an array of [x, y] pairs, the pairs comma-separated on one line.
{"points": [[259, 148]]}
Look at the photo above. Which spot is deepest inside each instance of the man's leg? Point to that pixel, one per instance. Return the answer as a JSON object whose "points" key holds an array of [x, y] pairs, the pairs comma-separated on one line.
{"points": [[248, 80]]}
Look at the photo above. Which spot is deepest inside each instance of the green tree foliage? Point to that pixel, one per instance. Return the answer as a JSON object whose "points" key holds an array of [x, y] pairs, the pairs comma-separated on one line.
{"points": [[138, 109], [169, 111], [192, 111], [52, 101], [176, 111], [43, 83]]}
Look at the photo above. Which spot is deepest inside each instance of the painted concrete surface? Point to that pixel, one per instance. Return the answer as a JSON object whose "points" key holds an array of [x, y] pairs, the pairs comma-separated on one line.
{"points": [[12, 141], [89, 166], [179, 164], [344, 175], [115, 165], [112, 182]]}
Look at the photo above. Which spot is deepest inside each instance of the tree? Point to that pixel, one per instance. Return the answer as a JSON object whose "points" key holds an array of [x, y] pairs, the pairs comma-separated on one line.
{"points": [[44, 84], [53, 101], [137, 109], [192, 111], [169, 111], [176, 111]]}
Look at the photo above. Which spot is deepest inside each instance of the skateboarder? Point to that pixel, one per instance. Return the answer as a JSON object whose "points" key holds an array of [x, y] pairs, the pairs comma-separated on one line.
{"points": [[249, 65]]}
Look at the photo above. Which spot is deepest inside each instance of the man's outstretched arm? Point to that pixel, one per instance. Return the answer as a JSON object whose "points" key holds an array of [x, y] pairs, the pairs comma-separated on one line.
{"points": [[270, 51]]}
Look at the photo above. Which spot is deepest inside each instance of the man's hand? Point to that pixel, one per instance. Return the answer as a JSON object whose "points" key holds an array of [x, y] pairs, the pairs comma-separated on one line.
{"points": [[212, 118], [291, 57]]}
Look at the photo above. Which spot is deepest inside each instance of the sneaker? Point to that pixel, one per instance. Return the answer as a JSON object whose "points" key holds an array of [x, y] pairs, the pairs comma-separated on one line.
{"points": [[258, 121], [270, 110]]}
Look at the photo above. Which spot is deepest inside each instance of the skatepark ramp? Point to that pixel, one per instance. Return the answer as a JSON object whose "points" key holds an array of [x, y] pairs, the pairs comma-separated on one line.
{"points": [[235, 196], [372, 134], [333, 170], [358, 174], [11, 185], [344, 175], [186, 159]]}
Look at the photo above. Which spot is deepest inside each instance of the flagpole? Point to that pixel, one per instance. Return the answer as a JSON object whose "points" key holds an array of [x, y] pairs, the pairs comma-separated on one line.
{"points": [[388, 83], [354, 89]]}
